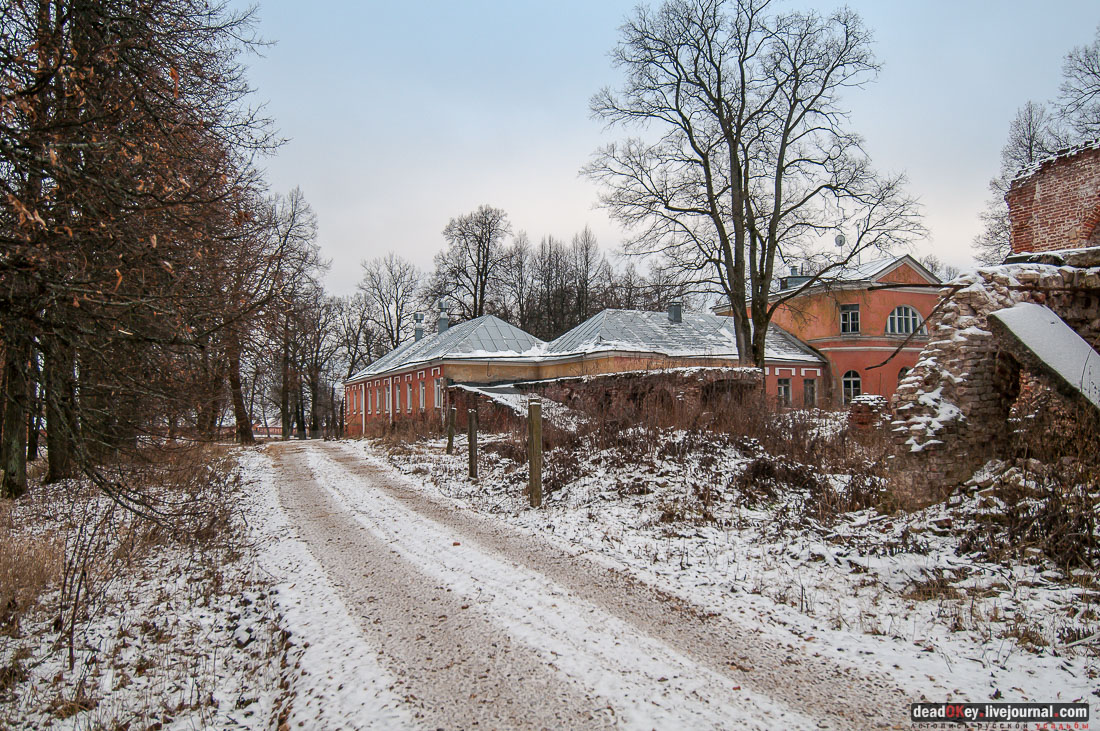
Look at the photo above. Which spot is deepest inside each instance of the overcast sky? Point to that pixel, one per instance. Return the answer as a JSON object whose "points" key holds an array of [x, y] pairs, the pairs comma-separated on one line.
{"points": [[402, 115]]}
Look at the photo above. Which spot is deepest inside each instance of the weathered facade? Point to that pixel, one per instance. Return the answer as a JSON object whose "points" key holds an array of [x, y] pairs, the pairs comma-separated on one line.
{"points": [[858, 319], [410, 381], [976, 386], [413, 380]]}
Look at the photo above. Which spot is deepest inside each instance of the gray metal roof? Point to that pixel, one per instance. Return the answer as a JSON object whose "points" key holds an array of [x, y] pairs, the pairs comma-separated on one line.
{"points": [[853, 273], [699, 334], [485, 336]]}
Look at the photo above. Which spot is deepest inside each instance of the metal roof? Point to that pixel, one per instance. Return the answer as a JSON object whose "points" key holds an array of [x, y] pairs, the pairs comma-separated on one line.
{"points": [[485, 336], [854, 273], [698, 334]]}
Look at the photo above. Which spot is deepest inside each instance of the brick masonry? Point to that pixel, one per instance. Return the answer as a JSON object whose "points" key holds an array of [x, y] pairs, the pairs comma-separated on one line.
{"points": [[1056, 204], [672, 394], [957, 407]]}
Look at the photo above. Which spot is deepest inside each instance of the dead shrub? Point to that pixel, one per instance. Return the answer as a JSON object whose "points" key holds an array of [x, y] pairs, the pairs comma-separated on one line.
{"points": [[765, 477], [1048, 510], [405, 429], [936, 586], [29, 565]]}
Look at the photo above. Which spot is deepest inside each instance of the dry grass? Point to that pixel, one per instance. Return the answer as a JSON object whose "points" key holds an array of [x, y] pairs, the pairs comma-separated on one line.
{"points": [[29, 564], [68, 546]]}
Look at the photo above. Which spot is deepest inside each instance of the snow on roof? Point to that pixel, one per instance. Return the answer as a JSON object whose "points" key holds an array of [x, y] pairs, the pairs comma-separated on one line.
{"points": [[1033, 167], [483, 337], [1056, 344], [699, 334], [869, 271]]}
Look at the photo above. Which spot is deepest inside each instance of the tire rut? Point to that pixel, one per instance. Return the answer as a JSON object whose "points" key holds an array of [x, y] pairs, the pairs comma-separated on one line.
{"points": [[453, 666], [841, 697]]}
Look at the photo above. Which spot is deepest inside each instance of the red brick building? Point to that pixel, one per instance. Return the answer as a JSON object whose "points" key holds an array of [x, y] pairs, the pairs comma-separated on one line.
{"points": [[410, 381], [857, 326], [617, 341]]}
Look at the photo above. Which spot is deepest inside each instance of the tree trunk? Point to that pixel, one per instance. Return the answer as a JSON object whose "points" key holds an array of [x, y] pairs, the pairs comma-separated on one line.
{"points": [[240, 413], [13, 450], [284, 386], [336, 423], [300, 412], [60, 412], [34, 422]]}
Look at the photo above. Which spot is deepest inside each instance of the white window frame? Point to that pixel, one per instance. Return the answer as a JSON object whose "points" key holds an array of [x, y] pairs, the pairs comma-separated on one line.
{"points": [[439, 392], [409, 396], [851, 386], [904, 320], [422, 394]]}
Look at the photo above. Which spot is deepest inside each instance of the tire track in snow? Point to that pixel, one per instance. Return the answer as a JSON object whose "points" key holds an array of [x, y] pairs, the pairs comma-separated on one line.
{"points": [[835, 695], [646, 683], [452, 667]]}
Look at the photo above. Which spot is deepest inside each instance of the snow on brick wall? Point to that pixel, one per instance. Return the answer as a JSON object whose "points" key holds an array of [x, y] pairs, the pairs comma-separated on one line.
{"points": [[952, 409], [1056, 203]]}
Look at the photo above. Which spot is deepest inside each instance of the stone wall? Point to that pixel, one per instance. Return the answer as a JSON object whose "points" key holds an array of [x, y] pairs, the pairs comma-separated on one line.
{"points": [[1055, 204], [960, 403]]}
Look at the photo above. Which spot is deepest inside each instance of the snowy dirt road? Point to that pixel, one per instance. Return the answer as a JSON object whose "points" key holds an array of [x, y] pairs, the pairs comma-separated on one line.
{"points": [[478, 626]]}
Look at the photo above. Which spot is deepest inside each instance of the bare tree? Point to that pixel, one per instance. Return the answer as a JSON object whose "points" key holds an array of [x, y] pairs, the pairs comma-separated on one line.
{"points": [[587, 265], [1079, 99], [470, 265], [1034, 133], [391, 286], [752, 162], [356, 337], [126, 148], [516, 285]]}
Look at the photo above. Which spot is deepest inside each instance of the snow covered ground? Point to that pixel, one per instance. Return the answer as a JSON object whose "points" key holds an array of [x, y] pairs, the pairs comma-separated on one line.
{"points": [[888, 592], [175, 637], [298, 629]]}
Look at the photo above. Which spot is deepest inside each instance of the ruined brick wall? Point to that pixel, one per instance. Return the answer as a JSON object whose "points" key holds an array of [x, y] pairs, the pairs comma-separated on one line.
{"points": [[1056, 204], [952, 411], [651, 395], [639, 395]]}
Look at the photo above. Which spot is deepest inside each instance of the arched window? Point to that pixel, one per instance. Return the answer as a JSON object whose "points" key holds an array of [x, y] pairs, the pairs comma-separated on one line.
{"points": [[853, 385], [904, 320], [902, 374]]}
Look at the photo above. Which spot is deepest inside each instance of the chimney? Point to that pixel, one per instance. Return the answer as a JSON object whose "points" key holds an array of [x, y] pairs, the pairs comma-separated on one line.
{"points": [[794, 271], [418, 332], [444, 321], [675, 312]]}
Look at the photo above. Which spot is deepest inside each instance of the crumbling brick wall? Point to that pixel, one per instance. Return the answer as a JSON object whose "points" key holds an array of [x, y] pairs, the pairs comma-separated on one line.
{"points": [[649, 394], [1055, 204], [636, 395], [953, 409]]}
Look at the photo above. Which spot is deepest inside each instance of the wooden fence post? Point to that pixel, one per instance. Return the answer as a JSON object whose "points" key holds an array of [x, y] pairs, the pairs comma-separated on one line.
{"points": [[471, 436], [451, 429], [534, 451]]}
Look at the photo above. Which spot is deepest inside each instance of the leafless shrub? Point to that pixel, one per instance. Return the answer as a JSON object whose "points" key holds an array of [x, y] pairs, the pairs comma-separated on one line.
{"points": [[936, 586], [1040, 510], [29, 564]]}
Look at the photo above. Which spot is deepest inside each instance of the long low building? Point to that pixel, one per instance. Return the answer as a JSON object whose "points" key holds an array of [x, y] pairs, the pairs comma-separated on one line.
{"points": [[410, 381]]}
